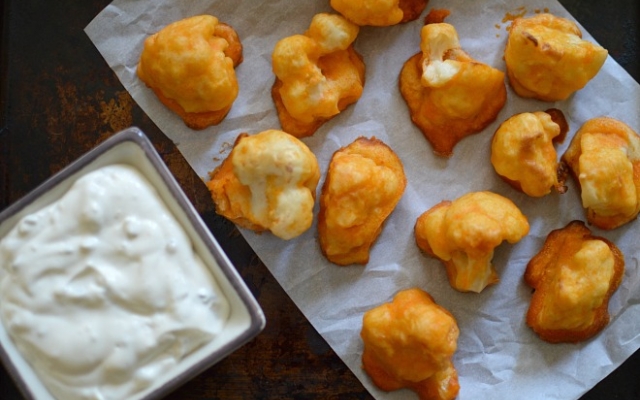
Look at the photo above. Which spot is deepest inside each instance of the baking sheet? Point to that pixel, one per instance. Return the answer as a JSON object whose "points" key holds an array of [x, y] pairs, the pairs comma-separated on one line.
{"points": [[498, 355]]}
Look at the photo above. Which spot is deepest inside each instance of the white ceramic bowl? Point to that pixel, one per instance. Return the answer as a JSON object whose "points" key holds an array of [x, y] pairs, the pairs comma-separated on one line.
{"points": [[132, 147]]}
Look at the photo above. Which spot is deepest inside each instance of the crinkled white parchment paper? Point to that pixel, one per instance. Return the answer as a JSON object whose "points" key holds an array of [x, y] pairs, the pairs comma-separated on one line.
{"points": [[498, 355]]}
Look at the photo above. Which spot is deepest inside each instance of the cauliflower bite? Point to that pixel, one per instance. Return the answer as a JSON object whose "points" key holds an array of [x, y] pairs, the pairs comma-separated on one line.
{"points": [[268, 182], [379, 12], [464, 233], [574, 275], [409, 343], [449, 94], [189, 65], [522, 152], [318, 74], [364, 183], [547, 59], [604, 160]]}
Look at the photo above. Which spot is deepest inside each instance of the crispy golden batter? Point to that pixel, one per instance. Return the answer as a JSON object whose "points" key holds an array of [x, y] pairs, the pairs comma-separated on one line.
{"points": [[268, 182], [409, 343], [189, 65], [574, 275], [522, 152], [604, 160], [547, 59], [364, 183], [464, 233], [449, 94], [318, 74], [379, 12]]}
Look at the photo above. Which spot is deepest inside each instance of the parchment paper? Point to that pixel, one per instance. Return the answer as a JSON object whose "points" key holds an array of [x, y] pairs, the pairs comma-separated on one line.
{"points": [[498, 355]]}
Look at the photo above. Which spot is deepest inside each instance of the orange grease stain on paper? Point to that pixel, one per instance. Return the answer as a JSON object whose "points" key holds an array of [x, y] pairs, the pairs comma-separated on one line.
{"points": [[517, 13], [436, 16]]}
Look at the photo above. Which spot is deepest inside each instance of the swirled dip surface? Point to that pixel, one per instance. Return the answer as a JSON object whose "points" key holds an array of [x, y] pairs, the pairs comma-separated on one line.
{"points": [[102, 291]]}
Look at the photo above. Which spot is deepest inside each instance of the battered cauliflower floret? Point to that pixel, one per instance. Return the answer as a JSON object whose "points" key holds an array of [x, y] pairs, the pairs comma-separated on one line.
{"points": [[604, 159], [268, 182], [318, 74], [522, 152], [409, 343], [364, 183], [574, 275], [464, 233], [449, 94], [547, 59], [190, 67], [379, 12]]}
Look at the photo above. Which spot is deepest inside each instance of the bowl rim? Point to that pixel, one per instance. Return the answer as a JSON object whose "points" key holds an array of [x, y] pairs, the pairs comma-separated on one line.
{"points": [[257, 320]]}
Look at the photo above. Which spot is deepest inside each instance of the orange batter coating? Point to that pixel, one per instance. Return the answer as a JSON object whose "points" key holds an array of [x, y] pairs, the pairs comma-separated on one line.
{"points": [[189, 65], [268, 182], [464, 233], [574, 275], [318, 74], [363, 185], [522, 152], [409, 343], [604, 160], [379, 12], [547, 59], [449, 94]]}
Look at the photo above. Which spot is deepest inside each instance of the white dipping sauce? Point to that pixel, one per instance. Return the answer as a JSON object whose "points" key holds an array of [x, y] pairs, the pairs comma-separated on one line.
{"points": [[102, 292]]}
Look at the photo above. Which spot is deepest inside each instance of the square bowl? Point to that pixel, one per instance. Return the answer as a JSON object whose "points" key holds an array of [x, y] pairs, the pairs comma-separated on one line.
{"points": [[131, 147]]}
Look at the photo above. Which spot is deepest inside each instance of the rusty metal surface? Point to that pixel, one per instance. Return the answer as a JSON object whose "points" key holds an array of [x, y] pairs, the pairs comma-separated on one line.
{"points": [[59, 98]]}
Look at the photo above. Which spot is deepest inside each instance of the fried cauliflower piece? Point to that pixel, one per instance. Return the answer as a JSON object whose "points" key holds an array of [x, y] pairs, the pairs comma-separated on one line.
{"points": [[268, 182], [364, 183], [449, 94], [574, 275], [318, 74], [379, 12], [464, 233], [547, 59], [522, 152], [409, 343], [604, 160], [189, 65]]}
